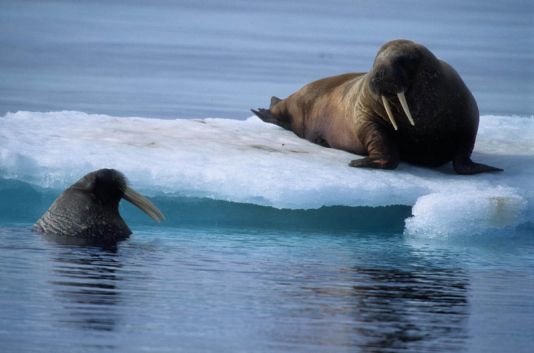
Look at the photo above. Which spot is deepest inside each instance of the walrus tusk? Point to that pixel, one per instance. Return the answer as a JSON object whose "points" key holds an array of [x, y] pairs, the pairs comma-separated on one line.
{"points": [[388, 111], [404, 103], [144, 204]]}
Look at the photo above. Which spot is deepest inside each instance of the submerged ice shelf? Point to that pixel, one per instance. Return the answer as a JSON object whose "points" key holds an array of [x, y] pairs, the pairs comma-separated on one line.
{"points": [[253, 162]]}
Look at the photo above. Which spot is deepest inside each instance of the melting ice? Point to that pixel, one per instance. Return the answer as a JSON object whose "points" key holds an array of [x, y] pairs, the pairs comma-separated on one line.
{"points": [[254, 162]]}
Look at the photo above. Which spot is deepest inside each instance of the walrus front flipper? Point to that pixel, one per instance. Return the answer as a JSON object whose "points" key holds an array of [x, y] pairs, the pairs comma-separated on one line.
{"points": [[375, 163], [268, 117], [468, 167], [381, 148]]}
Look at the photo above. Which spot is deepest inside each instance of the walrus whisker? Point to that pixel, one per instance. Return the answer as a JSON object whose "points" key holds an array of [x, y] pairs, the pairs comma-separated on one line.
{"points": [[144, 204], [389, 113], [405, 107]]}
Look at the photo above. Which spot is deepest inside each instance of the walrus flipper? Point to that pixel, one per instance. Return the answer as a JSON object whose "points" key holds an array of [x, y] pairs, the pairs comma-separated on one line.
{"points": [[468, 167], [265, 115], [385, 162], [268, 117], [381, 148], [274, 101]]}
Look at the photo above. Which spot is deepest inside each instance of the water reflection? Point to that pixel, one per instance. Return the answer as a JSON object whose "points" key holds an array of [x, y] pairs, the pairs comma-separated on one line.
{"points": [[417, 310], [85, 281]]}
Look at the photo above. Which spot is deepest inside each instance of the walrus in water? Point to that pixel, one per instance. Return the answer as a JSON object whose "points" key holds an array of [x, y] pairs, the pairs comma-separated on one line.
{"points": [[89, 209], [411, 106]]}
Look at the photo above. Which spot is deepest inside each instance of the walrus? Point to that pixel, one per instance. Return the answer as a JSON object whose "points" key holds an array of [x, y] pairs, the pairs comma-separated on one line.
{"points": [[89, 209], [410, 107]]}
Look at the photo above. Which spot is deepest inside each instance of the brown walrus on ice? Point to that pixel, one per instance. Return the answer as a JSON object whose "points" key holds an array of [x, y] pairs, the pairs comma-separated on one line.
{"points": [[411, 106]]}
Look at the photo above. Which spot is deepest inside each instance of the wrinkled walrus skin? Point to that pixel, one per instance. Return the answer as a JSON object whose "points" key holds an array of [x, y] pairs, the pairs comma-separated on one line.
{"points": [[411, 106], [89, 209]]}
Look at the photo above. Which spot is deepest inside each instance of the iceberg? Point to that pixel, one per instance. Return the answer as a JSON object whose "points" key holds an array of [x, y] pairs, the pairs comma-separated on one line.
{"points": [[248, 161]]}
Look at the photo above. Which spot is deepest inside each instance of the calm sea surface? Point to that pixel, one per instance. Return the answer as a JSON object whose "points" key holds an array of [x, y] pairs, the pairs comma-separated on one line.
{"points": [[199, 58], [226, 277], [257, 290]]}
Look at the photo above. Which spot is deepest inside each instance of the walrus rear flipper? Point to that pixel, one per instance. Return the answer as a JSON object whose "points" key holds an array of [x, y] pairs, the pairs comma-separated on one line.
{"points": [[274, 101], [265, 115], [268, 117], [468, 167]]}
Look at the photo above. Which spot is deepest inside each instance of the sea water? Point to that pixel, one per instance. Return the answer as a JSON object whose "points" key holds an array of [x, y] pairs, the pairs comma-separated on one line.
{"points": [[211, 58], [271, 243]]}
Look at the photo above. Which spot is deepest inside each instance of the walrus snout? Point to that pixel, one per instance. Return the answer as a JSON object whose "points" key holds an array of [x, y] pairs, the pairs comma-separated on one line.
{"points": [[389, 81], [391, 75]]}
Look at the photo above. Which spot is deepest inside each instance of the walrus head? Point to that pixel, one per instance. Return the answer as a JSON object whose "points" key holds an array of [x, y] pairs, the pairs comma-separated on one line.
{"points": [[90, 208], [394, 71], [109, 186]]}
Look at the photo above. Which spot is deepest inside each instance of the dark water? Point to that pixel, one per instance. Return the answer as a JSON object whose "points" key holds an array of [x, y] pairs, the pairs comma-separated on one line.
{"points": [[220, 58], [243, 290]]}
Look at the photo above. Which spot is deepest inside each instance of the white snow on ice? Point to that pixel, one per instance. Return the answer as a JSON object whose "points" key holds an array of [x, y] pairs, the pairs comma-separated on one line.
{"points": [[254, 162]]}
